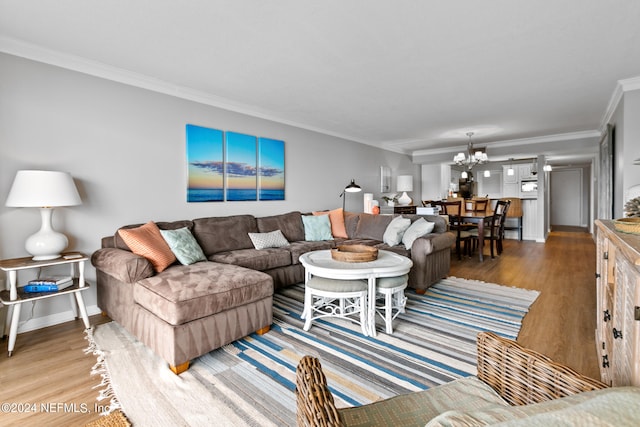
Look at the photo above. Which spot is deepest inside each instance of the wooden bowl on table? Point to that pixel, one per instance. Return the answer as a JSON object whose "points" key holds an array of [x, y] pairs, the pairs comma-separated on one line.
{"points": [[354, 253]]}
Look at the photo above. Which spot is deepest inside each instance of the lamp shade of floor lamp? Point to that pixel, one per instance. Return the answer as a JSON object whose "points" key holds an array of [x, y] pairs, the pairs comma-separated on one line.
{"points": [[405, 183], [45, 190], [351, 188]]}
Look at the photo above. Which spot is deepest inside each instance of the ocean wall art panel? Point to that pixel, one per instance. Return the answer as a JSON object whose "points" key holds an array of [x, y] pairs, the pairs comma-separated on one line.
{"points": [[270, 169], [241, 167], [205, 181]]}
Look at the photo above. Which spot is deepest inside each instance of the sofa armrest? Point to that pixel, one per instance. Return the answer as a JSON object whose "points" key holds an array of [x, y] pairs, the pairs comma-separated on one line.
{"points": [[432, 242], [123, 265], [522, 376]]}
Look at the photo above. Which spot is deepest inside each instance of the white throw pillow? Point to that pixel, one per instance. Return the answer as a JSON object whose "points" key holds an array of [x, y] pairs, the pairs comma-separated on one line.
{"points": [[272, 239], [395, 230], [418, 229]]}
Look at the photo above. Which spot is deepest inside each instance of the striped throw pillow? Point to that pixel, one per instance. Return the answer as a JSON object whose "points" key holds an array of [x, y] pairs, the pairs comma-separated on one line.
{"points": [[147, 242]]}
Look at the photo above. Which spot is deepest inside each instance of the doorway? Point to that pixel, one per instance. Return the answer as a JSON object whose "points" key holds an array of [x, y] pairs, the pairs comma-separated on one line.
{"points": [[567, 198]]}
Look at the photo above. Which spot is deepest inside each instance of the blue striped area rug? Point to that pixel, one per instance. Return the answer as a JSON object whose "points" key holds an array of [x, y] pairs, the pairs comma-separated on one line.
{"points": [[434, 342], [252, 381]]}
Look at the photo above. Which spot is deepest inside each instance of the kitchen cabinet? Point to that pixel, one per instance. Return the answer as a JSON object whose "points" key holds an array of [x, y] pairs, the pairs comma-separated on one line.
{"points": [[525, 172]]}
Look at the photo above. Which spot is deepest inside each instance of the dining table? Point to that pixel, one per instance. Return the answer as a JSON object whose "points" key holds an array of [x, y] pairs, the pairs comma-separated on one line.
{"points": [[480, 219]]}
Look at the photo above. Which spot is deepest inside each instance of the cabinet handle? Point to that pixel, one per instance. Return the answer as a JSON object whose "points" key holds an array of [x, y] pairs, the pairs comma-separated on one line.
{"points": [[605, 361], [597, 275], [607, 316], [605, 255], [617, 334]]}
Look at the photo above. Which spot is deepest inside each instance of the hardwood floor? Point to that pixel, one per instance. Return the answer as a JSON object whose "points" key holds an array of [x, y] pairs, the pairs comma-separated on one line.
{"points": [[47, 380], [48, 366], [561, 323]]}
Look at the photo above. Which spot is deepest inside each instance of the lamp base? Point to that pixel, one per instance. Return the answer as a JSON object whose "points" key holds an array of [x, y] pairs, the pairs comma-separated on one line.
{"points": [[46, 243], [404, 200]]}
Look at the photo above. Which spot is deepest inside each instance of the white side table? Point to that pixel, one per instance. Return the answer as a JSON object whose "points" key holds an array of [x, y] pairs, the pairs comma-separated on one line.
{"points": [[13, 297]]}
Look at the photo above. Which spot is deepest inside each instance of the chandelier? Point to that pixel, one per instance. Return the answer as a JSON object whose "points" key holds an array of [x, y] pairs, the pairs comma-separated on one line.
{"points": [[472, 158]]}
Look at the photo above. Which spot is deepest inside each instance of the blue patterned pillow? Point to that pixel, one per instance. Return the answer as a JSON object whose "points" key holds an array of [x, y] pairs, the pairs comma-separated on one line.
{"points": [[184, 245], [317, 227]]}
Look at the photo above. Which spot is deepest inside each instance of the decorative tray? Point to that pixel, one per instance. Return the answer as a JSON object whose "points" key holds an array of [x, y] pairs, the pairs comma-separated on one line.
{"points": [[627, 225], [354, 253]]}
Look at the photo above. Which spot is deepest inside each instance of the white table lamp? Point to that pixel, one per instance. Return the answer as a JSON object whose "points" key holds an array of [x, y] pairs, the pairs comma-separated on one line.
{"points": [[45, 190], [405, 183]]}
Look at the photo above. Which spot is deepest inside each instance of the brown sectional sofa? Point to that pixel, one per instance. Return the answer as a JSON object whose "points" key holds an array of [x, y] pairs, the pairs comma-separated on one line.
{"points": [[188, 310]]}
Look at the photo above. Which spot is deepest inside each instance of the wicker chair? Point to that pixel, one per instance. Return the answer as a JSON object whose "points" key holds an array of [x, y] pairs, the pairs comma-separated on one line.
{"points": [[520, 376]]}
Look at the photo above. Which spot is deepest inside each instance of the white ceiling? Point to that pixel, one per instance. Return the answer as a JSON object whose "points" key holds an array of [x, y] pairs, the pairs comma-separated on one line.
{"points": [[409, 76]]}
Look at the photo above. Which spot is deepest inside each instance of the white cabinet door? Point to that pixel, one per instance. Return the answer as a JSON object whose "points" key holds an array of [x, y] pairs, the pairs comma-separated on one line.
{"points": [[524, 172]]}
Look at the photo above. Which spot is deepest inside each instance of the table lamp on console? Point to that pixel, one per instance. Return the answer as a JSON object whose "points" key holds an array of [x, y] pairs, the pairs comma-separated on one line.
{"points": [[45, 190], [405, 183]]}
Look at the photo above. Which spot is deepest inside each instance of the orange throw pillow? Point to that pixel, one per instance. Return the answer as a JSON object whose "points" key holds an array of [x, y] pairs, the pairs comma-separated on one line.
{"points": [[147, 242], [336, 218]]}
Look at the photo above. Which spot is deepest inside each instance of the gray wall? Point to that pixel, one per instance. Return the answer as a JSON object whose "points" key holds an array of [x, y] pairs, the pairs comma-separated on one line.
{"points": [[125, 147], [626, 120]]}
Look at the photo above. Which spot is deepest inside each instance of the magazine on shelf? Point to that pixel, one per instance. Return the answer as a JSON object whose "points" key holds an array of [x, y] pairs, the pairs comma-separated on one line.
{"points": [[49, 284]]}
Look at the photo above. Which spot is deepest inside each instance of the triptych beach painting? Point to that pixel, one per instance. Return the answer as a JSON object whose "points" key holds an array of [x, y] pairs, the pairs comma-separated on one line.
{"points": [[231, 166]]}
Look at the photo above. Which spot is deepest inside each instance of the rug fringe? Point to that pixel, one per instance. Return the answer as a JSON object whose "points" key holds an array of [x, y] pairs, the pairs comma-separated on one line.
{"points": [[100, 368]]}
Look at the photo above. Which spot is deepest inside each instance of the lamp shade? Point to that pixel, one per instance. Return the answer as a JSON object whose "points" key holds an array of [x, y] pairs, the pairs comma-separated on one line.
{"points": [[33, 188], [405, 183], [352, 187]]}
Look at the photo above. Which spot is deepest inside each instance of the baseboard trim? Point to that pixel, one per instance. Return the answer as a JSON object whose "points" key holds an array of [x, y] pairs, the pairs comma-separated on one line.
{"points": [[53, 319]]}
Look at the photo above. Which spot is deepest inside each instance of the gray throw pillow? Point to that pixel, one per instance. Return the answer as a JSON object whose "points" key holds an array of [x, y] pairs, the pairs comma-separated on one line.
{"points": [[272, 239], [395, 230], [418, 229]]}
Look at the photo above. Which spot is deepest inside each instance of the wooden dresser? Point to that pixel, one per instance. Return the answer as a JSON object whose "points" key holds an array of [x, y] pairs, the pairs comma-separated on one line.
{"points": [[618, 305]]}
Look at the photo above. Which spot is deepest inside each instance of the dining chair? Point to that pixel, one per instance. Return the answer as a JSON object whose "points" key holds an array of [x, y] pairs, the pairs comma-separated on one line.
{"points": [[495, 232], [453, 210], [479, 204]]}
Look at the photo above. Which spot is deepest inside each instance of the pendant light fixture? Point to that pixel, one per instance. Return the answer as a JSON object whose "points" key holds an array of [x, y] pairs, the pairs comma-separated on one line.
{"points": [[472, 158], [510, 171]]}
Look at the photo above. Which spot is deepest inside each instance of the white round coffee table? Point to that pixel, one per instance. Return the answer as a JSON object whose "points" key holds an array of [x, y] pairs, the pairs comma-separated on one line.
{"points": [[388, 264]]}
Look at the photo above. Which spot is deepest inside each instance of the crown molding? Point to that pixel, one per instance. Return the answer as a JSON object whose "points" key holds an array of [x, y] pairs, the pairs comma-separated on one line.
{"points": [[622, 86], [570, 136], [98, 69]]}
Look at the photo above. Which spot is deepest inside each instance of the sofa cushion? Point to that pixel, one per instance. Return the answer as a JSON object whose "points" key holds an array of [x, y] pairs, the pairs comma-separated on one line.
{"points": [[299, 248], [606, 407], [184, 293], [256, 259], [183, 245], [316, 228], [372, 226], [147, 241], [290, 224], [336, 218], [351, 220], [418, 408], [222, 234]]}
